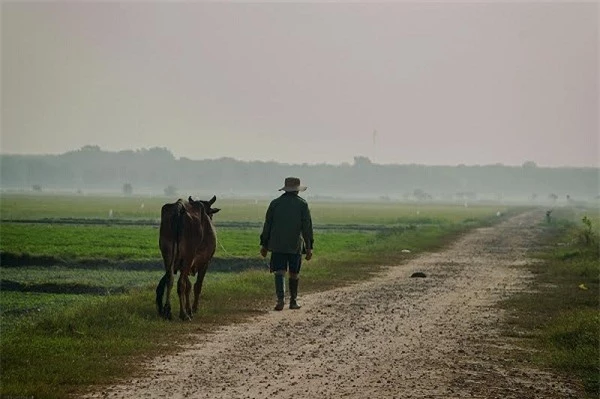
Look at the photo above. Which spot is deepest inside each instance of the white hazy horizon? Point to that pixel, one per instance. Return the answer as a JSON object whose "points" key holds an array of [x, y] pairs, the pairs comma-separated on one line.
{"points": [[400, 83]]}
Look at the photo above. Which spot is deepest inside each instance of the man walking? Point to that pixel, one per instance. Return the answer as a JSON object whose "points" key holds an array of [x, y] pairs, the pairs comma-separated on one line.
{"points": [[287, 233]]}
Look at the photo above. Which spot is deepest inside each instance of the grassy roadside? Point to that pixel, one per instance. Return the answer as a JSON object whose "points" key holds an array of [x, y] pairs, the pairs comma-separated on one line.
{"points": [[102, 339], [560, 318]]}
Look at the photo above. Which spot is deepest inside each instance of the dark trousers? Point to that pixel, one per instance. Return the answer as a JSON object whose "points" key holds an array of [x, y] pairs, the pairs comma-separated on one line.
{"points": [[281, 262]]}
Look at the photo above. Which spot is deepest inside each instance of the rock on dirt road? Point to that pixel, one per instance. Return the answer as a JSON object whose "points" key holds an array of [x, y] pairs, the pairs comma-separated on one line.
{"points": [[390, 337]]}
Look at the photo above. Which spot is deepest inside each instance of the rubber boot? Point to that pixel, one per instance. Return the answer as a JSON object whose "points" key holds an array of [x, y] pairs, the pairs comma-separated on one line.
{"points": [[280, 291], [293, 293]]}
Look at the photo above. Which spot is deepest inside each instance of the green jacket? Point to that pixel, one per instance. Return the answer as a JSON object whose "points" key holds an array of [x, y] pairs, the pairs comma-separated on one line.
{"points": [[288, 225]]}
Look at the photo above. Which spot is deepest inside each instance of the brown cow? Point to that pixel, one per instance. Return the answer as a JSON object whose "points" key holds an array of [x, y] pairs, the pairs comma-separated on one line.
{"points": [[187, 242]]}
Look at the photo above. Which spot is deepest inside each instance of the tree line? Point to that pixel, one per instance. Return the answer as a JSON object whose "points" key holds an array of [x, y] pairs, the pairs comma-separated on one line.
{"points": [[158, 171]]}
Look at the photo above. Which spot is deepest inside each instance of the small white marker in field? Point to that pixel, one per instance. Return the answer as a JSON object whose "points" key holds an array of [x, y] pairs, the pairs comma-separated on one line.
{"points": [[110, 213], [405, 251], [142, 206]]}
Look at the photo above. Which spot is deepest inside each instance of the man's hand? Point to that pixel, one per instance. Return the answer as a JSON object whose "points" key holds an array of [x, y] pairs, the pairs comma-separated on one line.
{"points": [[263, 251], [308, 254]]}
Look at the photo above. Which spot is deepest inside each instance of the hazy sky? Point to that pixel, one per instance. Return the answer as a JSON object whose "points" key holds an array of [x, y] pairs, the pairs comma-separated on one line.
{"points": [[440, 83]]}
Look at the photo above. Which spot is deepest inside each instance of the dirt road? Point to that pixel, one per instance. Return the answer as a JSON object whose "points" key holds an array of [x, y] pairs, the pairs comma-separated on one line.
{"points": [[390, 337]]}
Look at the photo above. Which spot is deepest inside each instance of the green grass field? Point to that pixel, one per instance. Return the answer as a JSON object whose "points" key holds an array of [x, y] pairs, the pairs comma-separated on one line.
{"points": [[102, 334], [34, 207], [137, 243]]}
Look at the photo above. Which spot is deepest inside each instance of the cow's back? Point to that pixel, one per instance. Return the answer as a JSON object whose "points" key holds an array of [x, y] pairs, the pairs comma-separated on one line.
{"points": [[188, 234]]}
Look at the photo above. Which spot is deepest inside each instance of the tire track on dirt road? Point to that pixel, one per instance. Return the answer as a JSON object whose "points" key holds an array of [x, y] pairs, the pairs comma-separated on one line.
{"points": [[390, 337]]}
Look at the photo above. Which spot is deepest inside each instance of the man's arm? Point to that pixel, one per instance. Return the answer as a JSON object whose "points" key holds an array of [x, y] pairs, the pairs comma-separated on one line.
{"points": [[307, 232], [266, 232]]}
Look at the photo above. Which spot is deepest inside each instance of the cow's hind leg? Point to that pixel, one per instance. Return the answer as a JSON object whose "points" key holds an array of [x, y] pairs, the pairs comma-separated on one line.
{"points": [[168, 282], [198, 288], [188, 289], [182, 290]]}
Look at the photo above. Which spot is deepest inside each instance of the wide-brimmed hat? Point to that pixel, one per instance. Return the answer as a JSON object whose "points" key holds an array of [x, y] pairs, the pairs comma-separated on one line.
{"points": [[292, 184]]}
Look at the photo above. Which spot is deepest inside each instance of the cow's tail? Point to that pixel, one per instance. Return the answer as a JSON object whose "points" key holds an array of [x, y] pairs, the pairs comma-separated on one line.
{"points": [[177, 230]]}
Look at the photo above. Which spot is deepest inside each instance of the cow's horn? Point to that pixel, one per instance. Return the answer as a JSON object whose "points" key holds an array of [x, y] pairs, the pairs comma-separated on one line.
{"points": [[212, 200]]}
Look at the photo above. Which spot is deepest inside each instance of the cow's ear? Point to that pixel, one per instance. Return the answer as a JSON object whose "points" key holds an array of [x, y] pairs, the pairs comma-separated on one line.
{"points": [[190, 200], [212, 200], [214, 210]]}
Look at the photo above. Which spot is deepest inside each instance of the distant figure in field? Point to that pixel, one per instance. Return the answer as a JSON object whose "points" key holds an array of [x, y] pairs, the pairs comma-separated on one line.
{"points": [[287, 233]]}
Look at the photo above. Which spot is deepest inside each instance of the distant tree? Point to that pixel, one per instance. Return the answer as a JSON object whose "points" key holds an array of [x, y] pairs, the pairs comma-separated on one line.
{"points": [[570, 199], [157, 154], [529, 165], [170, 191], [534, 196], [421, 195], [37, 188], [91, 148], [362, 161], [553, 197], [127, 189]]}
